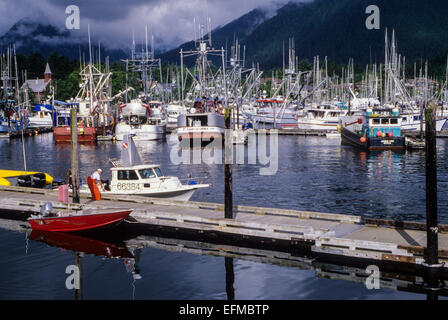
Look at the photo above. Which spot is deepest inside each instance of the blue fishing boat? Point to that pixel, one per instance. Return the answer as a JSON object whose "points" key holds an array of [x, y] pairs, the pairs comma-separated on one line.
{"points": [[378, 129], [15, 122]]}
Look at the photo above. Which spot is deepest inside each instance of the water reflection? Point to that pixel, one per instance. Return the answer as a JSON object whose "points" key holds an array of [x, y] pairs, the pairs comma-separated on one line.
{"points": [[315, 174], [158, 267]]}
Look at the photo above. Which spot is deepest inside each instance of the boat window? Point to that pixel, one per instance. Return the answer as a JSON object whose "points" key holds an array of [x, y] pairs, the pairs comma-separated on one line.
{"points": [[147, 173], [158, 172], [197, 121], [127, 175], [384, 121], [405, 119], [393, 121], [376, 121], [416, 118]]}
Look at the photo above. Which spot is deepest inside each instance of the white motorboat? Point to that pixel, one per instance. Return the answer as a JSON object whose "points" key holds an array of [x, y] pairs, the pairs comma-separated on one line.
{"points": [[146, 180], [130, 177]]}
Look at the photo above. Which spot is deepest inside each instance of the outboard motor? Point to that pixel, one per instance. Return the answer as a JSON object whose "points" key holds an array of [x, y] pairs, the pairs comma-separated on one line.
{"points": [[24, 181], [46, 210], [38, 180]]}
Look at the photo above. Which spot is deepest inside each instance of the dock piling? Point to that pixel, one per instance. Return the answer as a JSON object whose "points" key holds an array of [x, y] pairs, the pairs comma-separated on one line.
{"points": [[431, 256], [228, 199], [74, 155]]}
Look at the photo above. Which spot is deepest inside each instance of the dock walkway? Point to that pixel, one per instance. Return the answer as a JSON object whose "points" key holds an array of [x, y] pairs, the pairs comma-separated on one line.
{"points": [[336, 235]]}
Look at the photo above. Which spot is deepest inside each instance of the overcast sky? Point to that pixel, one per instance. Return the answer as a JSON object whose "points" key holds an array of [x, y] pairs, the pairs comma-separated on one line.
{"points": [[114, 21]]}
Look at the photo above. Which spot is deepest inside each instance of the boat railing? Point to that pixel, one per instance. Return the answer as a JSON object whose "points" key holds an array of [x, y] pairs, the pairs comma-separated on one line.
{"points": [[116, 163]]}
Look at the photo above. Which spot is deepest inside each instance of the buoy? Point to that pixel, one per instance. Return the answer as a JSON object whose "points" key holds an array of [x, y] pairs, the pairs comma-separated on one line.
{"points": [[383, 135], [363, 139], [390, 134], [359, 120], [378, 134]]}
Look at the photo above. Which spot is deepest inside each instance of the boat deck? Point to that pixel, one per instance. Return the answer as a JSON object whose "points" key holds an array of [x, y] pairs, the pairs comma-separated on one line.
{"points": [[332, 235]]}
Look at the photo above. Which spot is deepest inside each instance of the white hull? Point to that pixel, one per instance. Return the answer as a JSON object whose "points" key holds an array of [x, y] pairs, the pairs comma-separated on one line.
{"points": [[318, 125], [416, 125], [39, 123], [183, 194], [143, 133]]}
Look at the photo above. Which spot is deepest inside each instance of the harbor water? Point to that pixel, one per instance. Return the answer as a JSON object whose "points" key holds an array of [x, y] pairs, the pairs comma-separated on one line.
{"points": [[313, 174]]}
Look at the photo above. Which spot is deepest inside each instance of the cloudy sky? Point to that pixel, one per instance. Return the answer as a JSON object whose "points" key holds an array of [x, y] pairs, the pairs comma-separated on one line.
{"points": [[114, 21]]}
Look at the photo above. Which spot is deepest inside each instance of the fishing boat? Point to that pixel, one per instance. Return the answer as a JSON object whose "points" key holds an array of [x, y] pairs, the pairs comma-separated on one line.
{"points": [[204, 121], [86, 129], [41, 118], [273, 113], [74, 220], [411, 121], [378, 129], [141, 121], [200, 126], [173, 112], [323, 117]]}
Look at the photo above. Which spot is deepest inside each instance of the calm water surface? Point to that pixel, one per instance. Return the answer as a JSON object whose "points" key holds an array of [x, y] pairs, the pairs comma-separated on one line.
{"points": [[314, 173]]}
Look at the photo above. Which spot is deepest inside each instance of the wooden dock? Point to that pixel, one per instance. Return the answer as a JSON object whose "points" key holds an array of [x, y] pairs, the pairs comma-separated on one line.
{"points": [[331, 237]]}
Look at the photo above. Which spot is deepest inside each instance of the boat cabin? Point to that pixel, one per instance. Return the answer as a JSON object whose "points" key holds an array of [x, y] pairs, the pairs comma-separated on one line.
{"points": [[379, 122], [136, 173], [201, 120]]}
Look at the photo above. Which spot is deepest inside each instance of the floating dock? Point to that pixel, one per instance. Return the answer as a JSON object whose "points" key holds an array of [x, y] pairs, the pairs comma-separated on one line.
{"points": [[26, 133], [329, 236]]}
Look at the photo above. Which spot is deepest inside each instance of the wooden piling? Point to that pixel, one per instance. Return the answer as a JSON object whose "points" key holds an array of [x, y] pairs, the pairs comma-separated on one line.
{"points": [[228, 199], [431, 255], [74, 155]]}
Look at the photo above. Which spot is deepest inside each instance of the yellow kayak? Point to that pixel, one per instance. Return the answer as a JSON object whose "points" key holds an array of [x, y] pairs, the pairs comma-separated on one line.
{"points": [[14, 174]]}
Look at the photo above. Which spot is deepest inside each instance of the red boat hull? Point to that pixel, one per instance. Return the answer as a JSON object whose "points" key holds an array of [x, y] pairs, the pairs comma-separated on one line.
{"points": [[85, 134], [78, 222]]}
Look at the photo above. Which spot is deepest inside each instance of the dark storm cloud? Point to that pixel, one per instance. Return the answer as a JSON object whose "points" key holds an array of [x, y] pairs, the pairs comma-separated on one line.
{"points": [[114, 21]]}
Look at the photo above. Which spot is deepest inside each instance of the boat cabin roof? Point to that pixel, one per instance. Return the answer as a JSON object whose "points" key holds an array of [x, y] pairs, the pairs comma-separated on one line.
{"points": [[139, 167]]}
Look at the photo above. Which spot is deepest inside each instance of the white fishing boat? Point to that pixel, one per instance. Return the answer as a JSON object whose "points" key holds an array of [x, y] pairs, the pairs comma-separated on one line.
{"points": [[41, 118], [136, 120], [273, 111], [411, 121], [322, 117], [173, 111], [201, 126], [130, 177]]}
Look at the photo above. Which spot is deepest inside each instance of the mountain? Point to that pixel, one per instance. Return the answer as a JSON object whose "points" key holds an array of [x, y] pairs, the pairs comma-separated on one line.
{"points": [[336, 28], [32, 36], [223, 37]]}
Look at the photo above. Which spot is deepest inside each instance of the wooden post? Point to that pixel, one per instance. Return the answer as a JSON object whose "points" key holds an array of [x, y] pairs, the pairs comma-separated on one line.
{"points": [[74, 155], [228, 200], [432, 247]]}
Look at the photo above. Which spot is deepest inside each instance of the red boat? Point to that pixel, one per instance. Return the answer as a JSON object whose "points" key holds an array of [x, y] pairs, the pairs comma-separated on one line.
{"points": [[71, 221], [85, 134]]}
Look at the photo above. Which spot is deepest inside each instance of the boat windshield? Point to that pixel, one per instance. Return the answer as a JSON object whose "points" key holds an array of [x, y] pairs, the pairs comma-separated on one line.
{"points": [[146, 173], [158, 172]]}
